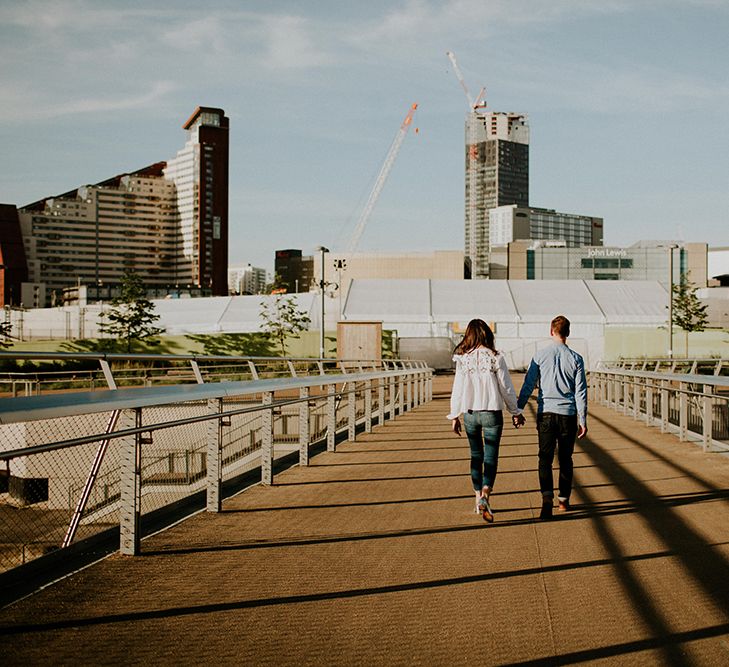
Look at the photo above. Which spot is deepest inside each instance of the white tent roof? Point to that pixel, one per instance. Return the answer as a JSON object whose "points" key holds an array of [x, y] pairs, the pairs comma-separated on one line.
{"points": [[588, 302], [631, 301], [541, 300], [389, 300], [408, 303], [490, 300]]}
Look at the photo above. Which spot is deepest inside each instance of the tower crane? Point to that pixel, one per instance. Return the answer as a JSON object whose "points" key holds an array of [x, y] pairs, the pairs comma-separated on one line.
{"points": [[380, 182], [480, 101]]}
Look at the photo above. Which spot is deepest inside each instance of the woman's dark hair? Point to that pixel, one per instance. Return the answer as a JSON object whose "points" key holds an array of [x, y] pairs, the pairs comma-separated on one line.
{"points": [[478, 334]]}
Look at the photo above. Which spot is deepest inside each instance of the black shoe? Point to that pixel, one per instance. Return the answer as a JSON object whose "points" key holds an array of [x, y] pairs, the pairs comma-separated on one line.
{"points": [[546, 513]]}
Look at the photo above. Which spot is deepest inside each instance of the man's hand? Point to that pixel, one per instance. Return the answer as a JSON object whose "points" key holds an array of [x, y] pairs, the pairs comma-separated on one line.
{"points": [[581, 431], [518, 420], [456, 426]]}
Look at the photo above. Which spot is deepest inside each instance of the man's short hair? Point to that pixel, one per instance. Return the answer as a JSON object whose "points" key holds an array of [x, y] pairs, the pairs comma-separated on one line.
{"points": [[561, 326]]}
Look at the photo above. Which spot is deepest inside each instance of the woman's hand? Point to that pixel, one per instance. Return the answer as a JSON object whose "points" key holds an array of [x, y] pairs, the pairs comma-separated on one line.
{"points": [[456, 426], [518, 420]]}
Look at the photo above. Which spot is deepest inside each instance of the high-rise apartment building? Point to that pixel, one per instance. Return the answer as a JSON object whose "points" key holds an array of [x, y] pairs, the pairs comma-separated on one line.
{"points": [[497, 174], [13, 267], [246, 280], [200, 174], [168, 222]]}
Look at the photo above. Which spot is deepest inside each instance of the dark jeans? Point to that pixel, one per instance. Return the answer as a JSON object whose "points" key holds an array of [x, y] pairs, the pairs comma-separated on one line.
{"points": [[556, 431], [483, 428]]}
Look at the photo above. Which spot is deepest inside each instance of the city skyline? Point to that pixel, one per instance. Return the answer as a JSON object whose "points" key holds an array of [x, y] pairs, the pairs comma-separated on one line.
{"points": [[625, 108]]}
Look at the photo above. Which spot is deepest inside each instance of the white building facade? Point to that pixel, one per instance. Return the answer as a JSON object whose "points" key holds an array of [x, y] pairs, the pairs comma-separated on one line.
{"points": [[246, 280]]}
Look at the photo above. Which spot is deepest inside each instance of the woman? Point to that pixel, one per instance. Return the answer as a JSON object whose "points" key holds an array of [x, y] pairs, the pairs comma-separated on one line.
{"points": [[481, 389]]}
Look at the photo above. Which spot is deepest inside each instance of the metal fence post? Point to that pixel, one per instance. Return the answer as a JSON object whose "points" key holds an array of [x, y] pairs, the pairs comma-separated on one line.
{"points": [[626, 395], [304, 428], [608, 390], [331, 417], [401, 390], [664, 407], [381, 401], [636, 397], [707, 418], [682, 411], [214, 457], [352, 413], [368, 406], [409, 400], [392, 398], [130, 485], [267, 440], [649, 401]]}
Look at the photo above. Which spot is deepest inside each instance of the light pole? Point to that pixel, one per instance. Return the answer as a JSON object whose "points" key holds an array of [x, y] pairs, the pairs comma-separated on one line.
{"points": [[322, 286], [671, 248]]}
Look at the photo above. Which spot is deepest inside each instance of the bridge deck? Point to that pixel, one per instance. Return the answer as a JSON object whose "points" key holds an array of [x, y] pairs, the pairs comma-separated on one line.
{"points": [[373, 555]]}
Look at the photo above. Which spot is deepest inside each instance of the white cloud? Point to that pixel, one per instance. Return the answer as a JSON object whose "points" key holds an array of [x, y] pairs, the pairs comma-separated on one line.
{"points": [[25, 105], [471, 20], [206, 33], [601, 88], [289, 42]]}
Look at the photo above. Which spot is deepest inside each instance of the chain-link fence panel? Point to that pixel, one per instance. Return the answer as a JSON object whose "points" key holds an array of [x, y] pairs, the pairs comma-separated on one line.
{"points": [[40, 491], [56, 497]]}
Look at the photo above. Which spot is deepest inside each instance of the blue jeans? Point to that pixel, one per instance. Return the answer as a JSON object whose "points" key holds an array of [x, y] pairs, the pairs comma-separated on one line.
{"points": [[483, 428]]}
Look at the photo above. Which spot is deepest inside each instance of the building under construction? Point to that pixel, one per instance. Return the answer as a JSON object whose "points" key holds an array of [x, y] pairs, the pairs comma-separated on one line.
{"points": [[497, 174]]}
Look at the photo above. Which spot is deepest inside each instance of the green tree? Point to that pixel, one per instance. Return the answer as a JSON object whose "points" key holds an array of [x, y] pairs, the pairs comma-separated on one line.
{"points": [[282, 319], [132, 315], [5, 337], [688, 312]]}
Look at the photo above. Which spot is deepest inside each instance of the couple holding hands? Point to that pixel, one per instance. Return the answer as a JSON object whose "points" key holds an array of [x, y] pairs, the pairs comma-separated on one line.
{"points": [[482, 388]]}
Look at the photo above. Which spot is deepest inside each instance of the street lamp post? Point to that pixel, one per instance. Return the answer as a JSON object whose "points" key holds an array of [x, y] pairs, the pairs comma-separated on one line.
{"points": [[671, 248], [322, 286]]}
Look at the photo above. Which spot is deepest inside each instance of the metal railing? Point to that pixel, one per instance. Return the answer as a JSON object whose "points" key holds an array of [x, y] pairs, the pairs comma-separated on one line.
{"points": [[694, 407], [91, 370], [690, 366], [81, 461]]}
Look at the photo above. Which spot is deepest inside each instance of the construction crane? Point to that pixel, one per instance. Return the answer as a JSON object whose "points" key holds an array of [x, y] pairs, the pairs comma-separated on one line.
{"points": [[480, 101], [380, 182]]}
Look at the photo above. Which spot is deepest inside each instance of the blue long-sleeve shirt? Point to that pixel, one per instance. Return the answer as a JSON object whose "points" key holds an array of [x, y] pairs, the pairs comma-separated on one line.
{"points": [[560, 373]]}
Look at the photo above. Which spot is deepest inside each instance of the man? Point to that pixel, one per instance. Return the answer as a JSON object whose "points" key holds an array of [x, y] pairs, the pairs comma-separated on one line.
{"points": [[561, 411]]}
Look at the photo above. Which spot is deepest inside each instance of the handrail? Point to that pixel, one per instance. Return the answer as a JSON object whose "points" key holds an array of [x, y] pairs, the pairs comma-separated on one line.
{"points": [[32, 408], [693, 406], [10, 454], [120, 356], [668, 364], [688, 378]]}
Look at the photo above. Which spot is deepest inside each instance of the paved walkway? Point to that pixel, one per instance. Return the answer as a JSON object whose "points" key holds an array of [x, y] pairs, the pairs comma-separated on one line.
{"points": [[372, 556]]}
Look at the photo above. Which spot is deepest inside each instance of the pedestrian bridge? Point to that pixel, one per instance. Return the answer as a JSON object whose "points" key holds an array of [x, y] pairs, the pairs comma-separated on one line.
{"points": [[371, 554]]}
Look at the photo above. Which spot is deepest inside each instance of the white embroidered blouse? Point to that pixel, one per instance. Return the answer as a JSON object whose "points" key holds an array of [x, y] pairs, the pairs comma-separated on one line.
{"points": [[482, 382]]}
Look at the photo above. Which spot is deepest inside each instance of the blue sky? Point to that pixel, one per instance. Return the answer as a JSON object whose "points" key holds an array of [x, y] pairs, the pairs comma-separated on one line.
{"points": [[626, 100]]}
